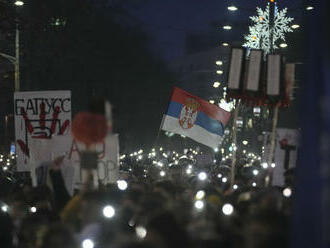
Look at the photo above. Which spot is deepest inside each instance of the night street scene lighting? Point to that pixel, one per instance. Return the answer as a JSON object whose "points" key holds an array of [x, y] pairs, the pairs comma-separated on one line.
{"points": [[164, 123]]}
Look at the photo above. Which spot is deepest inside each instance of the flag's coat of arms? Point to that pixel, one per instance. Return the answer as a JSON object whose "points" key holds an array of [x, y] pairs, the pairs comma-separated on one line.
{"points": [[195, 118], [188, 115]]}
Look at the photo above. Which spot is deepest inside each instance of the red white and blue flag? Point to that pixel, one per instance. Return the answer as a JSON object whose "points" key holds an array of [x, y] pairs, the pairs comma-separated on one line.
{"points": [[195, 118]]}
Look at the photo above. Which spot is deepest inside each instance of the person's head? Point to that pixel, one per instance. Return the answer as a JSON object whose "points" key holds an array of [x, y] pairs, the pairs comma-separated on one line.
{"points": [[6, 230], [57, 236]]}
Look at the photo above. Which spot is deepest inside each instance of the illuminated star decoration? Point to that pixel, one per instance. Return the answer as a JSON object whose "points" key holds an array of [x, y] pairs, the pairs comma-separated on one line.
{"points": [[259, 33]]}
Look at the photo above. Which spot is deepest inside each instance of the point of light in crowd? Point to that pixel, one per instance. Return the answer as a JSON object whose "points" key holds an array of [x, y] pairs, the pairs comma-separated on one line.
{"points": [[227, 27], [219, 175], [211, 101], [5, 168], [232, 8], [162, 173], [33, 209], [254, 184], [131, 223], [225, 44], [122, 184], [88, 243], [273, 165], [216, 84], [4, 208], [220, 72], [283, 45], [19, 3], [199, 204], [141, 232], [227, 209], [200, 194], [160, 149], [176, 162], [245, 142], [188, 171], [244, 151], [255, 172], [216, 149], [140, 157], [235, 186], [140, 151], [264, 165], [219, 62], [309, 8], [224, 179], [295, 26], [287, 192], [202, 176], [109, 211]]}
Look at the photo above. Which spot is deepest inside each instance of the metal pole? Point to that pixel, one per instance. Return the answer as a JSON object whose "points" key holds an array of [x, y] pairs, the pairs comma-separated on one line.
{"points": [[17, 72], [275, 116], [234, 142]]}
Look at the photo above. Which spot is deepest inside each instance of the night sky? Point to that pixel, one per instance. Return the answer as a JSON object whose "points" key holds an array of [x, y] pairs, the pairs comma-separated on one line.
{"points": [[168, 22]]}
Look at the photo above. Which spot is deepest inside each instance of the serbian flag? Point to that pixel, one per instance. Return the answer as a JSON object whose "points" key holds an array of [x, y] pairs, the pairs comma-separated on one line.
{"points": [[195, 118]]}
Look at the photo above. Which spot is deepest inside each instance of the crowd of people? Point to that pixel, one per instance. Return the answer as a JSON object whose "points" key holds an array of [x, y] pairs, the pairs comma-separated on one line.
{"points": [[177, 204]]}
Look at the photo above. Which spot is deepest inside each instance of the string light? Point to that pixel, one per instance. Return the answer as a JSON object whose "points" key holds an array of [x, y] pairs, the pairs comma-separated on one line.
{"points": [[122, 184], [200, 195], [199, 204], [287, 192], [141, 232], [202, 176]]}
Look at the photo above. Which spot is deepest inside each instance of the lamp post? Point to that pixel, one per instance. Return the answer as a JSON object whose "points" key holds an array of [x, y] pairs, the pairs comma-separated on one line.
{"points": [[15, 59]]}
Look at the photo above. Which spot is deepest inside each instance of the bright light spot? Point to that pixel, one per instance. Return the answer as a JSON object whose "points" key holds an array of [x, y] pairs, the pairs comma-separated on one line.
{"points": [[33, 209], [140, 151], [254, 184], [4, 208], [224, 179], [264, 165], [216, 149], [227, 209], [141, 232], [122, 184], [287, 192], [188, 171], [19, 3], [273, 165], [220, 72], [88, 243], [202, 176], [245, 142], [140, 157], [219, 175], [109, 211], [200, 195], [162, 173], [295, 26], [160, 149], [283, 45], [225, 44], [309, 8], [5, 168], [199, 204], [255, 172], [235, 186], [232, 8], [227, 106], [211, 101], [216, 84], [227, 27], [219, 62]]}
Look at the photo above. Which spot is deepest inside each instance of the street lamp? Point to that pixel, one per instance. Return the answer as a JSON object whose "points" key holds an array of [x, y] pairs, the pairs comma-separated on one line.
{"points": [[19, 3], [227, 27], [15, 59], [232, 8]]}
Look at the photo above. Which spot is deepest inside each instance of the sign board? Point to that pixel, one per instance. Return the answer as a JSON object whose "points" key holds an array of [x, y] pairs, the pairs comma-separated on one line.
{"points": [[39, 115]]}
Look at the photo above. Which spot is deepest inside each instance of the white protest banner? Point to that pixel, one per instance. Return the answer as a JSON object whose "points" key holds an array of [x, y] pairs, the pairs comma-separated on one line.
{"points": [[287, 142], [108, 159], [39, 115]]}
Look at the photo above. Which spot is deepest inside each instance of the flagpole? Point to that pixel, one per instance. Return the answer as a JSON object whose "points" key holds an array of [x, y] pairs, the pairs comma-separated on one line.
{"points": [[234, 144]]}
